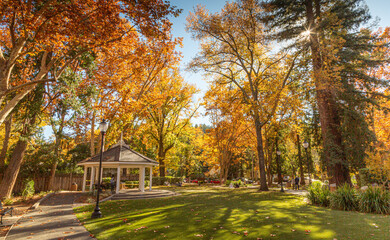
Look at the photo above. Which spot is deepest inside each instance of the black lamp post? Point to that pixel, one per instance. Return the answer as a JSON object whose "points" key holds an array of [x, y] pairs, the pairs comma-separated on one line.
{"points": [[103, 128], [306, 145], [279, 170]]}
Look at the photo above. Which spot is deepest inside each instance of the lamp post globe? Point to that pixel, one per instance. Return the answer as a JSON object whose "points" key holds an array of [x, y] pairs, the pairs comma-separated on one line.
{"points": [[103, 126], [306, 145], [278, 152]]}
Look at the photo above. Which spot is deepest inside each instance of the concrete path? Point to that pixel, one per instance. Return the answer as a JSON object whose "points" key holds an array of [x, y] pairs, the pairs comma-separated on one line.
{"points": [[53, 220], [297, 192]]}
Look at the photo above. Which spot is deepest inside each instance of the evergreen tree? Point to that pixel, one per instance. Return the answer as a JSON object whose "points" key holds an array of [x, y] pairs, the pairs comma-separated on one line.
{"points": [[340, 53]]}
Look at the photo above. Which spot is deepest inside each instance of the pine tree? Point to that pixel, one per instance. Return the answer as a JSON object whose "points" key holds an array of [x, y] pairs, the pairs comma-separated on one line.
{"points": [[341, 53]]}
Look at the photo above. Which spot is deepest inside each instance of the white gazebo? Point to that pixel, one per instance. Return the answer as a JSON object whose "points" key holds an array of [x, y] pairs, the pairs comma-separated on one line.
{"points": [[119, 156]]}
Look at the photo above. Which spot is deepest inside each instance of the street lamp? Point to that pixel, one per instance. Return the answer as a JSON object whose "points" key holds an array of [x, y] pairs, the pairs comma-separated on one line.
{"points": [[279, 170], [103, 128], [306, 145]]}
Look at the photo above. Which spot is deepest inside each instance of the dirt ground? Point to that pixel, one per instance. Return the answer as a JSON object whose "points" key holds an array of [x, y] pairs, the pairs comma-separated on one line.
{"points": [[20, 207]]}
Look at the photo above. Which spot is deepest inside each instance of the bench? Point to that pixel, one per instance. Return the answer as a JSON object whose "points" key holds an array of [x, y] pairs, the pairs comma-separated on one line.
{"points": [[4, 211]]}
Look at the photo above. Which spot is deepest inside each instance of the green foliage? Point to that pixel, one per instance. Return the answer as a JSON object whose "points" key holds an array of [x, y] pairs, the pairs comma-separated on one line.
{"points": [[7, 201], [135, 184], [319, 194], [106, 180], [161, 180], [344, 198], [374, 200], [29, 189], [239, 182], [368, 177]]}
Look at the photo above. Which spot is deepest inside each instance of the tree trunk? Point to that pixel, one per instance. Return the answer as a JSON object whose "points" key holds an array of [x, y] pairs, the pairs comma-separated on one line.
{"points": [[161, 159], [334, 156], [8, 126], [12, 171], [12, 104], [92, 142], [301, 172], [269, 163], [59, 135], [260, 153]]}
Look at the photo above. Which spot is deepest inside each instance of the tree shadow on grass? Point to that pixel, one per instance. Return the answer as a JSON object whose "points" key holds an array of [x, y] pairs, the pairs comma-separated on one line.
{"points": [[231, 215]]}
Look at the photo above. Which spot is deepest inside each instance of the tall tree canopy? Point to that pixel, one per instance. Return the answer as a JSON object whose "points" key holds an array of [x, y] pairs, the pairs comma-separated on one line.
{"points": [[341, 53]]}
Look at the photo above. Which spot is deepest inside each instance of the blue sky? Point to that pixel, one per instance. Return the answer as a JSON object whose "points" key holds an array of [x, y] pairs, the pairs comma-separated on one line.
{"points": [[378, 8]]}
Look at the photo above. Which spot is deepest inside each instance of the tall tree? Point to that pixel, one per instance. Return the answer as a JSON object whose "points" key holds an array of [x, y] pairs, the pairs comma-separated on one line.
{"points": [[29, 118], [49, 35], [169, 109], [228, 136], [339, 56], [235, 51]]}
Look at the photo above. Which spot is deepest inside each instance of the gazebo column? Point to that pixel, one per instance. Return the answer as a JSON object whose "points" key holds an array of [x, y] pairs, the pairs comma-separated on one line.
{"points": [[85, 177], [150, 178], [141, 179], [118, 179], [92, 178]]}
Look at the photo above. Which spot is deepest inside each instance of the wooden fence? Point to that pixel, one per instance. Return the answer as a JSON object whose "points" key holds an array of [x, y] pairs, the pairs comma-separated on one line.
{"points": [[61, 182]]}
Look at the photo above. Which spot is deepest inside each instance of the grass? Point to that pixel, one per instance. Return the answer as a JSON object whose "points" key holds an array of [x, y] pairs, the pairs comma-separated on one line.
{"points": [[214, 213]]}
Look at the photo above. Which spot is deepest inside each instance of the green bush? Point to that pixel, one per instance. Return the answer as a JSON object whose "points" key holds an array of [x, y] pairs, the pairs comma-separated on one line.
{"points": [[239, 182], [344, 198], [319, 194], [161, 180], [374, 200], [228, 182], [106, 180], [8, 201], [29, 189]]}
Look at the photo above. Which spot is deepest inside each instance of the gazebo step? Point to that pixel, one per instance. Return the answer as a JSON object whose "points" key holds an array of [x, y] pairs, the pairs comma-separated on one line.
{"points": [[129, 197]]}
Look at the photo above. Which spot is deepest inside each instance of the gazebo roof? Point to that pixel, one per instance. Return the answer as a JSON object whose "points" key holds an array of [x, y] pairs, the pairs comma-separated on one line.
{"points": [[119, 154]]}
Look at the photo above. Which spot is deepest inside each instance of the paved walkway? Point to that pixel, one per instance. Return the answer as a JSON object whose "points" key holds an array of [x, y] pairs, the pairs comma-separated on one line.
{"points": [[297, 192], [53, 220]]}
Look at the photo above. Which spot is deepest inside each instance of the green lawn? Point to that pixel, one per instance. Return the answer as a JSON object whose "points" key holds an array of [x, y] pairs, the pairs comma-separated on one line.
{"points": [[211, 213]]}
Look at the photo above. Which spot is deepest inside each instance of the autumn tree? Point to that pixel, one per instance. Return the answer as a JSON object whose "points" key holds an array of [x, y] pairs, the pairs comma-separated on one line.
{"points": [[169, 109], [229, 134], [29, 118], [50, 35], [234, 50]]}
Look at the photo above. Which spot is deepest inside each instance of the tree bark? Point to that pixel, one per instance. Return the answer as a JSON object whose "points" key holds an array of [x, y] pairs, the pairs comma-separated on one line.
{"points": [[12, 104], [8, 127], [12, 171], [92, 142], [301, 172], [260, 153], [59, 135], [334, 156], [161, 158], [269, 163]]}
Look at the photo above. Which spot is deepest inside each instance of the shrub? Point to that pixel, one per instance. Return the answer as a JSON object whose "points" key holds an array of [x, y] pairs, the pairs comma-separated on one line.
{"points": [[7, 201], [239, 182], [344, 198], [374, 200], [161, 180], [228, 182], [106, 180], [319, 194], [29, 189]]}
